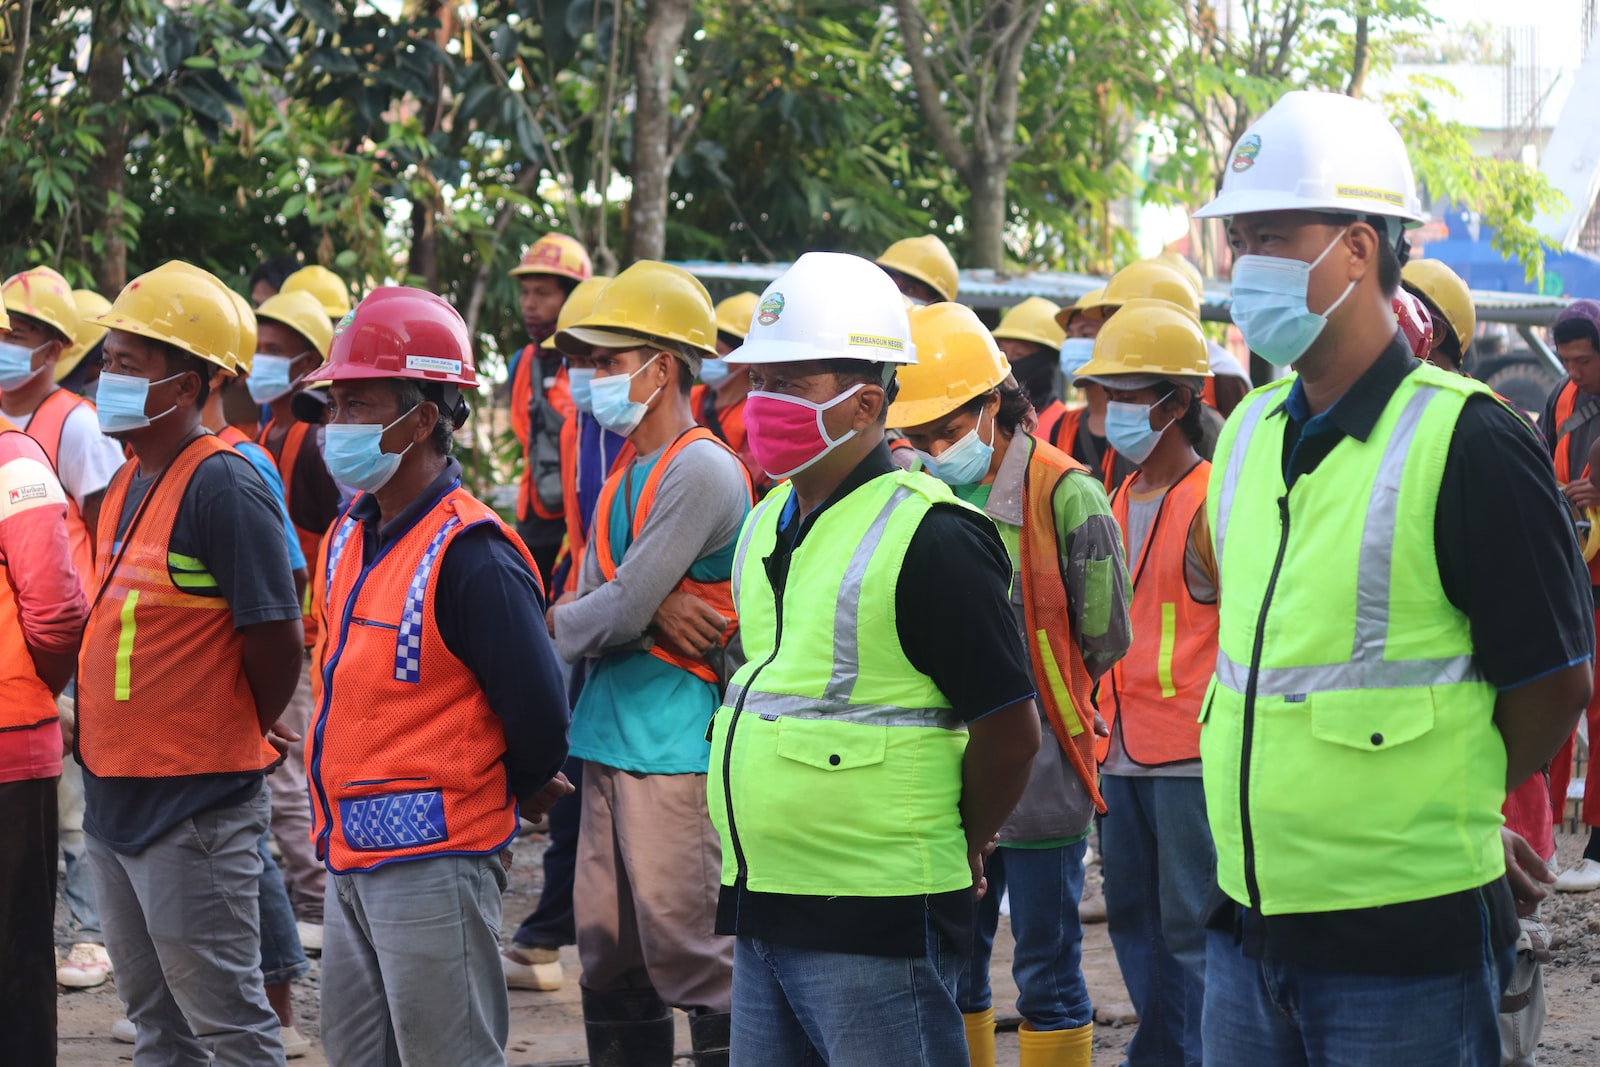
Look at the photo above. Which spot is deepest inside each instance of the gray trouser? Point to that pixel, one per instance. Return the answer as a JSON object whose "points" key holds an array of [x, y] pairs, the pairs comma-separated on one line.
{"points": [[411, 965], [303, 874], [183, 930]]}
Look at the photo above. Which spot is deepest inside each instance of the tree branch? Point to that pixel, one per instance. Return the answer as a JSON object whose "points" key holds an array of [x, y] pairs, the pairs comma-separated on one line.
{"points": [[912, 33], [19, 50], [1361, 60]]}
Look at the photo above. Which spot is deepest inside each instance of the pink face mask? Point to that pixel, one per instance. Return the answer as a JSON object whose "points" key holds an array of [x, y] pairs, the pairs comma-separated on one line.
{"points": [[786, 433]]}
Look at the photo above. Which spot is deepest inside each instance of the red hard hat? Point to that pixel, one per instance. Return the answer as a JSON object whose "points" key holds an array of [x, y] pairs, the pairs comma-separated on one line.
{"points": [[1416, 324], [400, 332]]}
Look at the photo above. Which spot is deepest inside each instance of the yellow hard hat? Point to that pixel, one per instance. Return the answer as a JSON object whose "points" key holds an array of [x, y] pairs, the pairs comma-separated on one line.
{"points": [[1147, 278], [648, 301], [183, 306], [957, 360], [1032, 320], [1190, 272], [91, 305], [734, 314], [1088, 300], [557, 254], [578, 305], [301, 313], [244, 356], [42, 294], [329, 289], [927, 260], [1444, 289], [1148, 338]]}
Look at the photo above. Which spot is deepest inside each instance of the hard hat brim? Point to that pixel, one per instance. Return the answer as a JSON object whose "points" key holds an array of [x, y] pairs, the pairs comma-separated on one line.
{"points": [[554, 272], [350, 372], [903, 414], [1031, 338], [775, 351], [1251, 202], [592, 337]]}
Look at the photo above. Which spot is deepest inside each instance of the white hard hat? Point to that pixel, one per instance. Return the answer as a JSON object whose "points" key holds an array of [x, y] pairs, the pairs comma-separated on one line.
{"points": [[829, 305], [1319, 152]]}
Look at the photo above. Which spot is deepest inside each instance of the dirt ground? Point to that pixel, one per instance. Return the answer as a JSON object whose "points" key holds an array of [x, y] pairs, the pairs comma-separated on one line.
{"points": [[547, 1028]]}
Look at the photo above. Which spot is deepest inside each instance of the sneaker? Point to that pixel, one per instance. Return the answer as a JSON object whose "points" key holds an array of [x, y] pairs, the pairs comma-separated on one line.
{"points": [[1584, 878], [295, 1044], [532, 968], [123, 1030], [85, 967], [310, 937]]}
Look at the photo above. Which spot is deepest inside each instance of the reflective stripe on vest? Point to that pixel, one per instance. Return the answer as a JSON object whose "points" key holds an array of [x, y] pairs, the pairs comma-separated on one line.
{"points": [[162, 663], [1349, 750], [47, 425]]}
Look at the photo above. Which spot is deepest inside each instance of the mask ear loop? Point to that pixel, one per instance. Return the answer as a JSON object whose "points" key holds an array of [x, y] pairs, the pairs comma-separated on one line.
{"points": [[820, 408], [1347, 289]]}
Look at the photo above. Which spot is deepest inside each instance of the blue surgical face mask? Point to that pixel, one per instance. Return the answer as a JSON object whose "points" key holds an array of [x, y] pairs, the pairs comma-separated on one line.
{"points": [[269, 377], [355, 456], [121, 398], [614, 406], [1075, 352], [1269, 305], [714, 372], [579, 380], [1128, 429], [967, 461], [16, 365]]}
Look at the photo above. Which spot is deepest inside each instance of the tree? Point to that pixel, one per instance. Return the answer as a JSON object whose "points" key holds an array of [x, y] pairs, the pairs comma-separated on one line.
{"points": [[657, 137]]}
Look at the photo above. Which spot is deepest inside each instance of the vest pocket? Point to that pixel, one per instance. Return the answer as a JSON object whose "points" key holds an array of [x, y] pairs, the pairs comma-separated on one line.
{"points": [[831, 745], [1371, 721]]}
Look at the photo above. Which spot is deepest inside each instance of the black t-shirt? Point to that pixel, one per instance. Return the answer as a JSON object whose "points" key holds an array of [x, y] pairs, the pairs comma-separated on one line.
{"points": [[955, 622], [229, 521], [1509, 561]]}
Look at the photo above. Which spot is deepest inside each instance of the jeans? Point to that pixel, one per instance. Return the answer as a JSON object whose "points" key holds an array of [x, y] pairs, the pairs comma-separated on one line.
{"points": [[27, 917], [795, 1007], [78, 887], [282, 957], [1046, 886], [1160, 867], [1262, 1012], [553, 922]]}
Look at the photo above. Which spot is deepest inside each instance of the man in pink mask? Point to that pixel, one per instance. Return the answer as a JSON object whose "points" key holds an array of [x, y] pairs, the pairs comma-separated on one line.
{"points": [[883, 726]]}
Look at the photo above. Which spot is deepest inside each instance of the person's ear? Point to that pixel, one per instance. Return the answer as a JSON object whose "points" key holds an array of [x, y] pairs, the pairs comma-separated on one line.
{"points": [[51, 351], [427, 419], [1361, 246], [188, 388], [867, 407]]}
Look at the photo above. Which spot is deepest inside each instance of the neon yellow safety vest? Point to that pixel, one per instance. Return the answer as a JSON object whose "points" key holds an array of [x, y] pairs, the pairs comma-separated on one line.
{"points": [[1349, 750], [836, 764]]}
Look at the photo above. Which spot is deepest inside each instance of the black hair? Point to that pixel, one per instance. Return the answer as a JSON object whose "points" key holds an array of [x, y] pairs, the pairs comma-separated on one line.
{"points": [[729, 339], [453, 409], [1190, 422], [867, 373], [1450, 345], [1014, 407], [1577, 328], [178, 362], [274, 272]]}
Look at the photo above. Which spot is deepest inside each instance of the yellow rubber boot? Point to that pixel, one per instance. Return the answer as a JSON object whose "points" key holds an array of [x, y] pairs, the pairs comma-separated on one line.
{"points": [[1053, 1048], [980, 1037]]}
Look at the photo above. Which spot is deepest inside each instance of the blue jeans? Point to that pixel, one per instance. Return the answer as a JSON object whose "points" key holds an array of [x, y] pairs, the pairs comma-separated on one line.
{"points": [[1160, 867], [795, 1007], [282, 957], [1261, 1012], [1046, 886]]}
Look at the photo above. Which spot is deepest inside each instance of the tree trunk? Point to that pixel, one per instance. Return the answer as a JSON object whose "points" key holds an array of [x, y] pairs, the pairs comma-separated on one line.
{"points": [[423, 262], [20, 27], [652, 127], [105, 79], [986, 214]]}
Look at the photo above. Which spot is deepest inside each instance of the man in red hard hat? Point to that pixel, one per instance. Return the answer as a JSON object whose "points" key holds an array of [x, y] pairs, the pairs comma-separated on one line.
{"points": [[440, 702]]}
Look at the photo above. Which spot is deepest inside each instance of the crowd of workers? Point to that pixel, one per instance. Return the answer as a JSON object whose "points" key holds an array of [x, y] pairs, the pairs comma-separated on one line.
{"points": [[861, 627]]}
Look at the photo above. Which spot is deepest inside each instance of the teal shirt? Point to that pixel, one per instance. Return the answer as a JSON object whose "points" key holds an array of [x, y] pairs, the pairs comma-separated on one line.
{"points": [[637, 712]]}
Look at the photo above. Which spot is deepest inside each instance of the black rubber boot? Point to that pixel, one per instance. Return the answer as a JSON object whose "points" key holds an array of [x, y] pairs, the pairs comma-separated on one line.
{"points": [[629, 1028], [709, 1035]]}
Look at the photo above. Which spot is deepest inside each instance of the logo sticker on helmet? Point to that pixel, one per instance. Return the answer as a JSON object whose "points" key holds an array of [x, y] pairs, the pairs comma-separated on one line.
{"points": [[770, 309], [436, 364], [1244, 156], [875, 340], [344, 323]]}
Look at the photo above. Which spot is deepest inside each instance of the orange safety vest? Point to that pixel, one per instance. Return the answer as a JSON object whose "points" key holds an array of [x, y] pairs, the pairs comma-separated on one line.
{"points": [[570, 459], [48, 423], [161, 685], [410, 762], [1566, 404], [1065, 688], [719, 595], [310, 540], [25, 701], [1064, 435], [1158, 687], [559, 397], [1049, 418]]}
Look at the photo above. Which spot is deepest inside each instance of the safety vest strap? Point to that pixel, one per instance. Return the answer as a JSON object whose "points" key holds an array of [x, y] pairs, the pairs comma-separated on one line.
{"points": [[1333, 677], [49, 422], [768, 704]]}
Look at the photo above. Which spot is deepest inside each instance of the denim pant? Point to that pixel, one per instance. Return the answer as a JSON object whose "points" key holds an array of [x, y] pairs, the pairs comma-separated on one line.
{"points": [[1046, 886], [1261, 1012], [282, 957], [795, 1007], [77, 888], [1160, 867], [553, 923]]}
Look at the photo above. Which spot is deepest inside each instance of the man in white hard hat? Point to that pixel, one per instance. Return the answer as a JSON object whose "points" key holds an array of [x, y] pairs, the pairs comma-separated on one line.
{"points": [[1403, 634], [886, 695]]}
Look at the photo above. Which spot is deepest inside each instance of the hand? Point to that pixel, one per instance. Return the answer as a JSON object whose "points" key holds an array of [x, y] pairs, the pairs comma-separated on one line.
{"points": [[280, 737], [1525, 870], [1100, 727], [980, 883], [688, 624], [1582, 492], [550, 612], [546, 797]]}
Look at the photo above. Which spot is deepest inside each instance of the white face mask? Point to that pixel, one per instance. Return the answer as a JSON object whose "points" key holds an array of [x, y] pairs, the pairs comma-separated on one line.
{"points": [[1269, 305]]}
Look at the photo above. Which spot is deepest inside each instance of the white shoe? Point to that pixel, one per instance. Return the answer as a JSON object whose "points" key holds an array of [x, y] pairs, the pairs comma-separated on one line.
{"points": [[295, 1044], [532, 968], [86, 967], [310, 937], [1584, 878], [123, 1030]]}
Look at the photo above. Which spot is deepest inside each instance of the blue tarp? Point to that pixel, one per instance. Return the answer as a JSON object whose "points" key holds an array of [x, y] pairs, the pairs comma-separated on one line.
{"points": [[1570, 274]]}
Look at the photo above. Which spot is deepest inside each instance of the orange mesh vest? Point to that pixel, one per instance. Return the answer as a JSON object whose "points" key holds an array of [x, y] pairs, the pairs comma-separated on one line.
{"points": [[719, 595], [1065, 688], [25, 701], [405, 757], [1049, 419], [1566, 404], [310, 540], [46, 427], [522, 395], [570, 458], [1064, 435], [161, 684], [1159, 685]]}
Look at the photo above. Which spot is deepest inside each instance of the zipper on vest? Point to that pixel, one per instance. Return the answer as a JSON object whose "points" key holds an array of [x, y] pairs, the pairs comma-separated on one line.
{"points": [[1252, 884], [742, 870]]}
